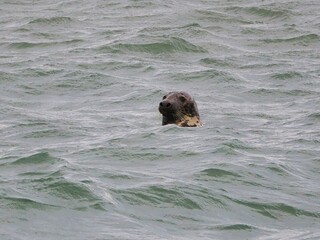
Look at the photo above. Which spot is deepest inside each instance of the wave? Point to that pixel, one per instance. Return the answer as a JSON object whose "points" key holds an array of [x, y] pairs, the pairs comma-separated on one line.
{"points": [[287, 75], [46, 176], [239, 226], [27, 45], [264, 12], [24, 203], [314, 116], [52, 20], [272, 92], [218, 173], [170, 45], [38, 158], [275, 210], [305, 39]]}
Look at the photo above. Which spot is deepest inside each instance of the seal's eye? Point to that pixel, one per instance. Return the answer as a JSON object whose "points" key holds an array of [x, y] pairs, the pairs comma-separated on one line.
{"points": [[182, 98], [164, 97]]}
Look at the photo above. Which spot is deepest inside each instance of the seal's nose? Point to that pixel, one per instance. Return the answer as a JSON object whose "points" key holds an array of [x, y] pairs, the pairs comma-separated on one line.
{"points": [[165, 105]]}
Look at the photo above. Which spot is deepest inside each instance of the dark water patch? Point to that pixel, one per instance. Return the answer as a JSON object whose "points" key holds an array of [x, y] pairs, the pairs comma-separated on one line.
{"points": [[204, 197], [280, 93], [217, 76], [48, 133], [305, 141], [315, 116], [276, 210], [30, 89], [278, 169], [262, 64], [139, 5], [23, 204], [258, 207], [118, 176], [83, 81], [68, 190], [157, 196], [220, 17], [225, 150], [219, 173], [262, 92], [287, 75], [36, 159], [237, 144], [215, 62], [39, 72], [7, 77], [28, 45], [303, 40], [42, 176], [130, 65], [265, 12], [52, 21], [253, 31], [33, 123], [97, 206], [266, 117], [22, 30], [170, 45], [46, 35], [162, 29], [36, 166], [111, 32], [235, 227], [126, 154]]}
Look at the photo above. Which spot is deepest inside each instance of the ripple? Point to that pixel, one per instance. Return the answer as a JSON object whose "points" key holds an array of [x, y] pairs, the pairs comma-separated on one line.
{"points": [[52, 20], [219, 173], [305, 39], [23, 203], [266, 12], [314, 116], [262, 12], [217, 16], [287, 75], [40, 72], [170, 45], [27, 45], [236, 227], [275, 210], [157, 196], [237, 144], [217, 76], [277, 92], [47, 176], [38, 158], [65, 189], [216, 62]]}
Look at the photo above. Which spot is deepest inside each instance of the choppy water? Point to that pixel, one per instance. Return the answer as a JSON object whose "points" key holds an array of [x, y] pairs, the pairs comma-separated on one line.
{"points": [[83, 154]]}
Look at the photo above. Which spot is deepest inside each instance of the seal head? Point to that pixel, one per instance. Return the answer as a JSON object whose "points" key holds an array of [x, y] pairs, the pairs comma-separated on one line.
{"points": [[179, 108]]}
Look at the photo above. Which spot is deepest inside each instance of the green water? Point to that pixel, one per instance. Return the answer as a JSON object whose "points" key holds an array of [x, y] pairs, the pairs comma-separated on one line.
{"points": [[83, 154]]}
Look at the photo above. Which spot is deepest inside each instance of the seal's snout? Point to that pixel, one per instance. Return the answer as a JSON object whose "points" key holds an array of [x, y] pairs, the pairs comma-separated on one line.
{"points": [[165, 105]]}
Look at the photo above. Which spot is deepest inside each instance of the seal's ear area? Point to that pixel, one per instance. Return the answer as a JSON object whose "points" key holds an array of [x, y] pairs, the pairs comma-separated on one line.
{"points": [[182, 99], [192, 108]]}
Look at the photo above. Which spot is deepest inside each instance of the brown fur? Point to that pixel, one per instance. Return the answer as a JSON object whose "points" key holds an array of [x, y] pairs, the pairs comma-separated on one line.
{"points": [[179, 108]]}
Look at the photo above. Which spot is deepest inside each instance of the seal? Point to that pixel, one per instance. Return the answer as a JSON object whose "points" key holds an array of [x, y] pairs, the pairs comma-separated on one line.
{"points": [[179, 108]]}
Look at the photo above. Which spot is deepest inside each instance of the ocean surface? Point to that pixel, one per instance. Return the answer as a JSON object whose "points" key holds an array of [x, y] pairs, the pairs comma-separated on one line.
{"points": [[83, 154]]}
